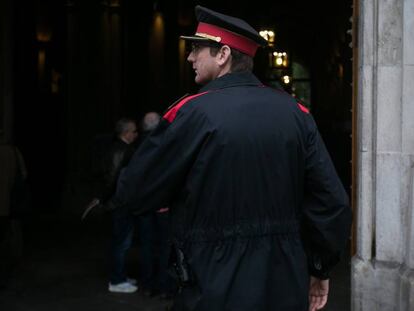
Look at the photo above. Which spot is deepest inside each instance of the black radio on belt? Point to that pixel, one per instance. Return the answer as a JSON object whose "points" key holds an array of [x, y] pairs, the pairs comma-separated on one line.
{"points": [[182, 269]]}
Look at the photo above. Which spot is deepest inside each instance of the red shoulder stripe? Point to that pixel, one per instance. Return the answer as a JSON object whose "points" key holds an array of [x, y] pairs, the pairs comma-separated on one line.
{"points": [[303, 108], [172, 113]]}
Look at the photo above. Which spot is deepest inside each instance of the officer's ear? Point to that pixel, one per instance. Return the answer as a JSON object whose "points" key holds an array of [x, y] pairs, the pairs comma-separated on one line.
{"points": [[224, 55]]}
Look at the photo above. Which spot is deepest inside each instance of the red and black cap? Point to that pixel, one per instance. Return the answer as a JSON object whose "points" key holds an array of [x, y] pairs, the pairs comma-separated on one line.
{"points": [[226, 30]]}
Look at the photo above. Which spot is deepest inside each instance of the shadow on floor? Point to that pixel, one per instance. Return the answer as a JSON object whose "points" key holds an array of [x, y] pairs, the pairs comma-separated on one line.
{"points": [[63, 268]]}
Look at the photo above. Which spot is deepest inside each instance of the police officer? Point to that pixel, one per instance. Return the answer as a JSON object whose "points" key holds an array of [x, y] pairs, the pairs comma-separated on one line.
{"points": [[259, 216]]}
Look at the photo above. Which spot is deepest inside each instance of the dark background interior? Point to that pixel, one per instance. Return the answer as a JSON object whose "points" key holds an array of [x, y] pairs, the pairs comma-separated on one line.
{"points": [[80, 65]]}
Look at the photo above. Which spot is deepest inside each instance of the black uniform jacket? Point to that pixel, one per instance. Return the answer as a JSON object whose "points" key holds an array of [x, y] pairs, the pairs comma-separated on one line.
{"points": [[255, 201], [114, 160]]}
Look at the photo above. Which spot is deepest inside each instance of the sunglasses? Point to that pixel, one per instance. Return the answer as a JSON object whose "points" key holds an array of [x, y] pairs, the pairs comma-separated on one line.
{"points": [[195, 47]]}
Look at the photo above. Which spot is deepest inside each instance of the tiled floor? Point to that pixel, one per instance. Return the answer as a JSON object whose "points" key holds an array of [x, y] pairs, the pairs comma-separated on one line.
{"points": [[64, 268]]}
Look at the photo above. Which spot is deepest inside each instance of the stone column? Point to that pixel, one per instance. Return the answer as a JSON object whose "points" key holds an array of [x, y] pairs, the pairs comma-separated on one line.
{"points": [[407, 271], [382, 269]]}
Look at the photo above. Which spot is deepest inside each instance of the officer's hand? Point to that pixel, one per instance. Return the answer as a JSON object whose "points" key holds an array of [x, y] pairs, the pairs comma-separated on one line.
{"points": [[96, 207], [93, 207], [318, 293]]}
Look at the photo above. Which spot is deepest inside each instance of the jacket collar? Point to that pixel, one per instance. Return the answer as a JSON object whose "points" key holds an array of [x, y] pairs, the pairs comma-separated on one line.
{"points": [[231, 80]]}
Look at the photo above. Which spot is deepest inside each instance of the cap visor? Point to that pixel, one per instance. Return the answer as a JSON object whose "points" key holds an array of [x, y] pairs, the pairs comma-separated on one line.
{"points": [[194, 38]]}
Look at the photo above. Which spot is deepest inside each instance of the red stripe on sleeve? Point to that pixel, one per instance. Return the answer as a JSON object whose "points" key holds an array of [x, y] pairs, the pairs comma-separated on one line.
{"points": [[303, 108], [172, 113]]}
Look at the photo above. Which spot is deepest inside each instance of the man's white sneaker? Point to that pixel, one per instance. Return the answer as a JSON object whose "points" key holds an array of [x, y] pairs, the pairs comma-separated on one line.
{"points": [[124, 287]]}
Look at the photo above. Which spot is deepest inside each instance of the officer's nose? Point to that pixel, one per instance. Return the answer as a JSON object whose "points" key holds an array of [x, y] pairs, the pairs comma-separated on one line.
{"points": [[190, 57]]}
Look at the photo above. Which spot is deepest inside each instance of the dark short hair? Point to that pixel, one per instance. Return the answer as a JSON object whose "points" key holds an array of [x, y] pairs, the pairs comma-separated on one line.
{"points": [[150, 121], [121, 125], [240, 61]]}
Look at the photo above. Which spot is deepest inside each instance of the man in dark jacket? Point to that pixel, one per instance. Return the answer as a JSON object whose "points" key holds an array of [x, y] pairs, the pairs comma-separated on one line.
{"points": [[114, 160], [259, 216], [153, 236]]}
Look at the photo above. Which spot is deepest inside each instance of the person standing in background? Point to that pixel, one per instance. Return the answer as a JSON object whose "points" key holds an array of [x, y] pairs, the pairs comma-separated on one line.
{"points": [[14, 203], [153, 236], [114, 160]]}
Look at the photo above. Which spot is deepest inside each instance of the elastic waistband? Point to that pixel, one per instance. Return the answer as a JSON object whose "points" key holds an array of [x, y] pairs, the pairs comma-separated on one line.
{"points": [[240, 230]]}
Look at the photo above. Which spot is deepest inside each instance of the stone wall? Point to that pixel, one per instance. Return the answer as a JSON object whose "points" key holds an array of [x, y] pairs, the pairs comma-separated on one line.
{"points": [[382, 270]]}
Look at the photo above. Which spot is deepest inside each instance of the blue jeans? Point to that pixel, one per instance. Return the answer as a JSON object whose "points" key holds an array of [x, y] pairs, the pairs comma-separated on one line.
{"points": [[122, 233]]}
